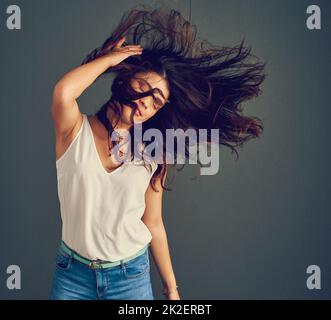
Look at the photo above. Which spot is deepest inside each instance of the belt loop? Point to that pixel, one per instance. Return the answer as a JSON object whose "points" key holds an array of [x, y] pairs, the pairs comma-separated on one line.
{"points": [[122, 264]]}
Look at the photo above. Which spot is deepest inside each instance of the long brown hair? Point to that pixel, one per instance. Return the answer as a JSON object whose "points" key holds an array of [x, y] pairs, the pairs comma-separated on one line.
{"points": [[208, 83]]}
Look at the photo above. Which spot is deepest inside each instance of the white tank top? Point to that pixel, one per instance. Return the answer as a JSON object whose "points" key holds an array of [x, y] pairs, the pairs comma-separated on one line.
{"points": [[101, 211]]}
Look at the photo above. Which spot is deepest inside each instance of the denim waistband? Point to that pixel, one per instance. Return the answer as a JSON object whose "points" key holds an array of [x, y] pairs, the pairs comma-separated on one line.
{"points": [[99, 264]]}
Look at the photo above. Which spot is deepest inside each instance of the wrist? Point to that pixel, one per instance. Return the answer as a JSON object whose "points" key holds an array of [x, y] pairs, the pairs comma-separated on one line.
{"points": [[168, 290]]}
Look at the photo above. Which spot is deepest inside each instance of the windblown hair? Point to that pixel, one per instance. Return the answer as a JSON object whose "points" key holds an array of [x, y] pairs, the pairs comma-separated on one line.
{"points": [[207, 83]]}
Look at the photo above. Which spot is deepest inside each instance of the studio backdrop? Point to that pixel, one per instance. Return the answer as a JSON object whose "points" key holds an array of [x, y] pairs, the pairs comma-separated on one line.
{"points": [[256, 228]]}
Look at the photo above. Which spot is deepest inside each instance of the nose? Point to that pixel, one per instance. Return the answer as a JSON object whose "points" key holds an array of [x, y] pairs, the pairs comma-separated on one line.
{"points": [[142, 103]]}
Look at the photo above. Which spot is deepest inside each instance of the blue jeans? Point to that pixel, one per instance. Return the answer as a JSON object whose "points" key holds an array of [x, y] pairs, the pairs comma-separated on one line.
{"points": [[74, 280]]}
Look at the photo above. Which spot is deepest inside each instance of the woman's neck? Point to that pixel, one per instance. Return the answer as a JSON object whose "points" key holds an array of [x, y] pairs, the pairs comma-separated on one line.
{"points": [[117, 124]]}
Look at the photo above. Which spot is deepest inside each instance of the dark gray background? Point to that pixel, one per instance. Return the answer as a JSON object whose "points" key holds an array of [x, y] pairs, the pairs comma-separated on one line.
{"points": [[248, 232]]}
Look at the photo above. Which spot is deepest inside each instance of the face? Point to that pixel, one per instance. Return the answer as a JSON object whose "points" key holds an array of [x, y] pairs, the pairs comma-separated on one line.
{"points": [[147, 106]]}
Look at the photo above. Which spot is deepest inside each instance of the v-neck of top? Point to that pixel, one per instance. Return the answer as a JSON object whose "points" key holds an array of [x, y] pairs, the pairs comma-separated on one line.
{"points": [[97, 153]]}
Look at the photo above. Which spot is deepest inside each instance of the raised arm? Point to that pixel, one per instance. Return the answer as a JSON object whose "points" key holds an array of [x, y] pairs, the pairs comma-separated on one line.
{"points": [[65, 110]]}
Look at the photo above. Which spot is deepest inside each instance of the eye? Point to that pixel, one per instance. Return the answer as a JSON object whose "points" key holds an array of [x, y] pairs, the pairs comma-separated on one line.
{"points": [[142, 85], [158, 103]]}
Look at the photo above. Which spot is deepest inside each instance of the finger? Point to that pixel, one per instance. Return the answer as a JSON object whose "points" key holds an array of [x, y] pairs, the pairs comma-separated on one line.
{"points": [[133, 49], [132, 46], [136, 52], [120, 42]]}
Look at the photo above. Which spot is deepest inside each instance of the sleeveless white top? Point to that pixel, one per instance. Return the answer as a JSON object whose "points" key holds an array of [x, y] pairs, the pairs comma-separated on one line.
{"points": [[101, 211]]}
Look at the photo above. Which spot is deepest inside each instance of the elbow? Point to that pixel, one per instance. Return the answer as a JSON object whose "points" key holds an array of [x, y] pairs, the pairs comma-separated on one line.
{"points": [[62, 92], [156, 228]]}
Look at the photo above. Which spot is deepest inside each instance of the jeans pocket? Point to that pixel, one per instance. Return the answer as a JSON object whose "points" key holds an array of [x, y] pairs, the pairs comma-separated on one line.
{"points": [[63, 260], [137, 267]]}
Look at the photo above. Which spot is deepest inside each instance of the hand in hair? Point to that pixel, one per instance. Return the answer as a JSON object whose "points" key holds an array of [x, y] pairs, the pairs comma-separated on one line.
{"points": [[120, 53]]}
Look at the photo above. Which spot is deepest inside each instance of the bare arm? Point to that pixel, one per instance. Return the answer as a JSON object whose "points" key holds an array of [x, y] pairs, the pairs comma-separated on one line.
{"points": [[65, 110], [76, 81], [159, 245]]}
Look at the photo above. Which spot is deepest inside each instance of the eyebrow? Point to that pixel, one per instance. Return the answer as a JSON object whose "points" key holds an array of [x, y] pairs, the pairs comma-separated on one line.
{"points": [[162, 94]]}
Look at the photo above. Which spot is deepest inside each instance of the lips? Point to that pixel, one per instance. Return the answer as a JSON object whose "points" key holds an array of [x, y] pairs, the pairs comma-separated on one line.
{"points": [[139, 112]]}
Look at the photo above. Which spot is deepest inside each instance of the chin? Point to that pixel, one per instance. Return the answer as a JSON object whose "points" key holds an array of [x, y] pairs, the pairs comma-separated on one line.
{"points": [[138, 119]]}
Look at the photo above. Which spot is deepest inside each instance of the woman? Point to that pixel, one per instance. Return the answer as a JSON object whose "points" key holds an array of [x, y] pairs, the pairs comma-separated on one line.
{"points": [[112, 210]]}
